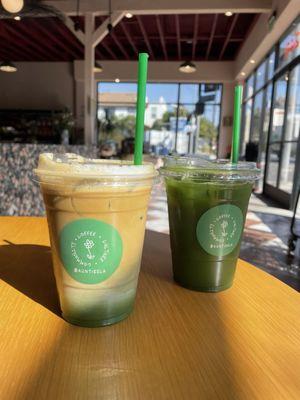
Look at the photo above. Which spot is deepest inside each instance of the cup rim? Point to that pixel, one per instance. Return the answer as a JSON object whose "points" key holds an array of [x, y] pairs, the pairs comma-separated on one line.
{"points": [[197, 168]]}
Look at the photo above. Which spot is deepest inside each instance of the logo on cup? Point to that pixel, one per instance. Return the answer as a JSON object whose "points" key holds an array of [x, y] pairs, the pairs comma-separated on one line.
{"points": [[219, 229], [91, 250]]}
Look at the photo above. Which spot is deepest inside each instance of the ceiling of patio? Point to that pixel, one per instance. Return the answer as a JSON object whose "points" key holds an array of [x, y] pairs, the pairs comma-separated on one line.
{"points": [[210, 37]]}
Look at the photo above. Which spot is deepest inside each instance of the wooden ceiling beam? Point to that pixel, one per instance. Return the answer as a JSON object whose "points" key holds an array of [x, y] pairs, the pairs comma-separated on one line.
{"points": [[212, 35], [98, 54], [9, 54], [232, 25], [161, 36], [195, 37], [75, 49], [32, 36], [120, 46], [23, 40], [167, 7], [145, 36], [108, 50], [7, 42], [129, 37], [39, 28], [177, 25]]}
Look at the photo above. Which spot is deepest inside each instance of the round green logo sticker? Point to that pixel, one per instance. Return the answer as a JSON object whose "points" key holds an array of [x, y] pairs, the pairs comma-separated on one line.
{"points": [[90, 250], [219, 229]]}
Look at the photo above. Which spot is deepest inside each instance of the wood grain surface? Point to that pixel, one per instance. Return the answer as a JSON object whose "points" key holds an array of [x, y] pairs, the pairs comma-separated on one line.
{"points": [[241, 344]]}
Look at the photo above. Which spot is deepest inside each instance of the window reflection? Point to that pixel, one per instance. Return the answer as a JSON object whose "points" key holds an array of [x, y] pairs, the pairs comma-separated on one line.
{"points": [[273, 164], [278, 109], [289, 46], [190, 125], [287, 167], [257, 117], [260, 76]]}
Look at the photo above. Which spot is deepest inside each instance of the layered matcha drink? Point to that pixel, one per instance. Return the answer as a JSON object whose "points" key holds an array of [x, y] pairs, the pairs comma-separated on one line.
{"points": [[207, 203], [96, 212]]}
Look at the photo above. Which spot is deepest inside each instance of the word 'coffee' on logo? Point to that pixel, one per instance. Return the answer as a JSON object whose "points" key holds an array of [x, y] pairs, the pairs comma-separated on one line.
{"points": [[219, 229], [91, 250]]}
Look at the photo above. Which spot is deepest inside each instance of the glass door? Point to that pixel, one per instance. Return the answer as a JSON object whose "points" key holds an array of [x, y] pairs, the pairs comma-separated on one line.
{"points": [[284, 134], [291, 134]]}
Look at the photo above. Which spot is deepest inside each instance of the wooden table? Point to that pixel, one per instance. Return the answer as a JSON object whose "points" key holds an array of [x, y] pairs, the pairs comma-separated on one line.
{"points": [[241, 344]]}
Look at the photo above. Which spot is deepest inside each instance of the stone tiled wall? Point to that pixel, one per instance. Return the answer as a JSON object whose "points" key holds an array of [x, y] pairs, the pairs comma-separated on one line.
{"points": [[19, 193]]}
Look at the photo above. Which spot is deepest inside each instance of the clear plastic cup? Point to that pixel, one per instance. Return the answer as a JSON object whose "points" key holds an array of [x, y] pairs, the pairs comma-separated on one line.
{"points": [[96, 212], [207, 203]]}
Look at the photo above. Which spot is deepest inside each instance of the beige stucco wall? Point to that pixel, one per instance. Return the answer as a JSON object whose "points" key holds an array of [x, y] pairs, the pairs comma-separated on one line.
{"points": [[38, 85]]}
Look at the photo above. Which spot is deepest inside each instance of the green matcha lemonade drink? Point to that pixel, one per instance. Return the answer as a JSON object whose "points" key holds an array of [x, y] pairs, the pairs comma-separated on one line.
{"points": [[96, 212], [207, 203]]}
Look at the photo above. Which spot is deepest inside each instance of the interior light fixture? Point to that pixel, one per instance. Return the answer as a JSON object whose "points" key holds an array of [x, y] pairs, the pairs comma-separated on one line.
{"points": [[128, 15], [13, 6], [229, 13], [17, 18], [98, 67], [252, 61], [243, 73], [187, 67], [8, 66], [117, 80]]}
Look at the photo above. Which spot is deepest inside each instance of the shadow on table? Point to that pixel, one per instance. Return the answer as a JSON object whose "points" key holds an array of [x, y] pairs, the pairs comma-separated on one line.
{"points": [[28, 268]]}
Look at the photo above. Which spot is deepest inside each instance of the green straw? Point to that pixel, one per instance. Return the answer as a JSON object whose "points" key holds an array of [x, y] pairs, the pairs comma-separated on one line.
{"points": [[140, 109], [235, 147]]}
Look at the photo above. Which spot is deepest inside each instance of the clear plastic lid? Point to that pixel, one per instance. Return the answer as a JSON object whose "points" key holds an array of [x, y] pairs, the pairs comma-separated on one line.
{"points": [[198, 169], [72, 167]]}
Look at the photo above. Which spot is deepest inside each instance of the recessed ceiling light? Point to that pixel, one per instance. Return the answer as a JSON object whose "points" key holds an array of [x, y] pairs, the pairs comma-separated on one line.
{"points": [[117, 80], [243, 73], [128, 15], [252, 61], [189, 41], [17, 18], [187, 67], [8, 66], [229, 14]]}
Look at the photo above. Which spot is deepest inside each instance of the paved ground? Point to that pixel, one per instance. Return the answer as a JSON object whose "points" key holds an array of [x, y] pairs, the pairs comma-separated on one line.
{"points": [[265, 237]]}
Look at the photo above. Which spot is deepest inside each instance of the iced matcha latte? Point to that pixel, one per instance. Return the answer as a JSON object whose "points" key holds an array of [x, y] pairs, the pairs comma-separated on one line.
{"points": [[207, 203], [96, 213]]}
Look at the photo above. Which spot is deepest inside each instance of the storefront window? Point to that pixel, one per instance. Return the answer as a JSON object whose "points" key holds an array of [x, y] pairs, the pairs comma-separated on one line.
{"points": [[189, 93], [188, 125], [273, 164], [271, 114], [257, 117], [265, 125], [291, 134], [247, 120], [271, 65], [260, 76], [289, 47], [293, 106], [249, 87], [287, 168], [278, 109]]}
